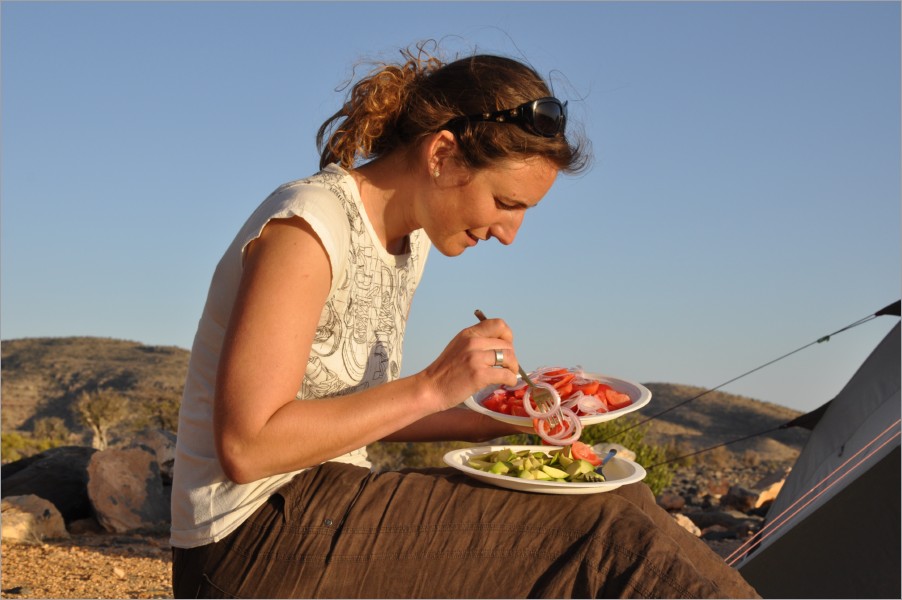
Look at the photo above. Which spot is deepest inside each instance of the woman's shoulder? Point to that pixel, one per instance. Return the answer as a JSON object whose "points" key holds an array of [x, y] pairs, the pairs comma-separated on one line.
{"points": [[324, 195], [332, 181]]}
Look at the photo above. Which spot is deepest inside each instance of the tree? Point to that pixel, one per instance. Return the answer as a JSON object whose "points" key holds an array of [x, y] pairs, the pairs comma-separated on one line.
{"points": [[161, 411], [100, 411], [52, 429]]}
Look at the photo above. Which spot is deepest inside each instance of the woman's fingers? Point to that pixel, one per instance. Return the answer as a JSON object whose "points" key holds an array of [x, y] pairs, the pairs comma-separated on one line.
{"points": [[477, 357], [494, 328]]}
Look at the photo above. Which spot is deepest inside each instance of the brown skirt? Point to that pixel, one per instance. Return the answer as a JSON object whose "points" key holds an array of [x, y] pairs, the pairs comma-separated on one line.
{"points": [[339, 531]]}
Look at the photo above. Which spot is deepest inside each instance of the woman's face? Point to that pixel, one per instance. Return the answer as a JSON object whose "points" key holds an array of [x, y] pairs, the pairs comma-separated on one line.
{"points": [[467, 207]]}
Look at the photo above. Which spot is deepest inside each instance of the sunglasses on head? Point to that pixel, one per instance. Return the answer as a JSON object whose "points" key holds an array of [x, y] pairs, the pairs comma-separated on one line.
{"points": [[545, 116]]}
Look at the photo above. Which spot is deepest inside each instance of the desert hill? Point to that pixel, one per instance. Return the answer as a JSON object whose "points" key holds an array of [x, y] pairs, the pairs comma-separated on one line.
{"points": [[43, 377]]}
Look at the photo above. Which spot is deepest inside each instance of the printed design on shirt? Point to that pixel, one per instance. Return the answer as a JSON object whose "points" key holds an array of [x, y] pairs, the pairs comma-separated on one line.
{"points": [[366, 331], [329, 331], [319, 380]]}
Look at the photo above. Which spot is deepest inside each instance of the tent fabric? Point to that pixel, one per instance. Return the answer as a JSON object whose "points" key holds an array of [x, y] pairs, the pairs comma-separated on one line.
{"points": [[809, 420], [834, 529]]}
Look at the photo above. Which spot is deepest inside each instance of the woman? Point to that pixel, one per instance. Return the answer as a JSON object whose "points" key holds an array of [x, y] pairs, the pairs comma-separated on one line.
{"points": [[295, 369]]}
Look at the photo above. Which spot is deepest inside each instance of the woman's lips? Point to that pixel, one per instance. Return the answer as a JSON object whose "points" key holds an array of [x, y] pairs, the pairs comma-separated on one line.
{"points": [[474, 238]]}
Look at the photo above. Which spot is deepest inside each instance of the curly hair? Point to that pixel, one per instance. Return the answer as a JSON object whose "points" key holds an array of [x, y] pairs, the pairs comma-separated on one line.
{"points": [[396, 105]]}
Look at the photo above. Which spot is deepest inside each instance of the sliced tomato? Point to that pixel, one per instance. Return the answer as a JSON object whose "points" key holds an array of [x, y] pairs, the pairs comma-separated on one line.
{"points": [[493, 402], [565, 391], [617, 400], [560, 380], [580, 450], [554, 373], [517, 409], [587, 387]]}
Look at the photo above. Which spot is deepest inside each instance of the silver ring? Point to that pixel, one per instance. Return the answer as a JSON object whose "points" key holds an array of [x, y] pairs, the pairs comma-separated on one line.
{"points": [[499, 358]]}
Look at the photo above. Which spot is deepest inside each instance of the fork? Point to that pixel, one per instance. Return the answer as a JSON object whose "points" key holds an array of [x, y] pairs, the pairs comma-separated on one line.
{"points": [[598, 474], [541, 396]]}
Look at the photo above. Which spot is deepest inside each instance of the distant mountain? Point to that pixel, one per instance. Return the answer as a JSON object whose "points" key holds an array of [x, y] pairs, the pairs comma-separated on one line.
{"points": [[42, 377], [712, 418]]}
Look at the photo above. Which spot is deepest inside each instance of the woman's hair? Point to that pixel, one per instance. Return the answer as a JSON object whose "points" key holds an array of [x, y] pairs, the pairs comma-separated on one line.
{"points": [[395, 106]]}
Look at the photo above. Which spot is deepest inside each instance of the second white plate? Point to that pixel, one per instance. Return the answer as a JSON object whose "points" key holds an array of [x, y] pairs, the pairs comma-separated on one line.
{"points": [[618, 471]]}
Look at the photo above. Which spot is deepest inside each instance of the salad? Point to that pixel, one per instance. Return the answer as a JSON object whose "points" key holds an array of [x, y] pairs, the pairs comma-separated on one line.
{"points": [[574, 394]]}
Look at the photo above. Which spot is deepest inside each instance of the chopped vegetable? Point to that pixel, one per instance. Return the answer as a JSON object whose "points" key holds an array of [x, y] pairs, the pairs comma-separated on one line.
{"points": [[561, 464]]}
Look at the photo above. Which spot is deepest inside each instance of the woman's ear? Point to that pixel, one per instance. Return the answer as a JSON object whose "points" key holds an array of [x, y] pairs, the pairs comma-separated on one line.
{"points": [[440, 148]]}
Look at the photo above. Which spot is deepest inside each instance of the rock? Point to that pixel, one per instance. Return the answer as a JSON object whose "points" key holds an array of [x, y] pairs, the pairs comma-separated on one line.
{"points": [[82, 526], [161, 444], [763, 492], [126, 490], [717, 532], [718, 488], [31, 519], [19, 590], [725, 518], [769, 486], [687, 524], [739, 498], [671, 502], [59, 475]]}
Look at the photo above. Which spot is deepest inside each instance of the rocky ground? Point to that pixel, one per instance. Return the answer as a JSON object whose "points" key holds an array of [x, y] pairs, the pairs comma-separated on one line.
{"points": [[97, 565], [88, 566]]}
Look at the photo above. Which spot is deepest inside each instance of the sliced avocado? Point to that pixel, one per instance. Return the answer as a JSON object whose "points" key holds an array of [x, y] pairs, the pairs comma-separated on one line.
{"points": [[482, 465], [486, 457], [505, 455], [554, 473], [579, 467], [542, 475], [500, 468]]}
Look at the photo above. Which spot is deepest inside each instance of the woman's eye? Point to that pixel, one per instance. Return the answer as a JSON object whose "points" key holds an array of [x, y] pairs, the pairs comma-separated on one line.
{"points": [[504, 206]]}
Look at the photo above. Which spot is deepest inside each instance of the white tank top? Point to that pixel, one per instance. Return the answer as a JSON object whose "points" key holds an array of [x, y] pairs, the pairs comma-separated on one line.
{"points": [[358, 343]]}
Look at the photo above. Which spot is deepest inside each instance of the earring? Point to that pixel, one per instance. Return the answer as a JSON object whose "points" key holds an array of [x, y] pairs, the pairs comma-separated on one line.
{"points": [[436, 172]]}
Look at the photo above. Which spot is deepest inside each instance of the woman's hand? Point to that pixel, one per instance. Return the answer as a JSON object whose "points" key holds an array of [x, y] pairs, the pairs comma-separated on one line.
{"points": [[467, 364]]}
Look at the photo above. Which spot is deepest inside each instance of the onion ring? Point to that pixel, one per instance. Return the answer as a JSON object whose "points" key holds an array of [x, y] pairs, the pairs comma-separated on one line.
{"points": [[567, 436], [538, 414]]}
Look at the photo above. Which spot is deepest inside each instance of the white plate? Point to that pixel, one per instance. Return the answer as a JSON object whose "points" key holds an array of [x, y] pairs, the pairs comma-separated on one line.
{"points": [[639, 394], [618, 471]]}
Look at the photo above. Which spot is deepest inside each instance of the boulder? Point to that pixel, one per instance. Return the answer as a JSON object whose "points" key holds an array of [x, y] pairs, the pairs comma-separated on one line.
{"points": [[126, 490], [31, 519], [161, 444], [59, 475]]}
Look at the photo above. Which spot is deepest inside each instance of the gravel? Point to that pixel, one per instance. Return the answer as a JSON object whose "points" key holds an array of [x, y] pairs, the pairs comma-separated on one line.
{"points": [[89, 566]]}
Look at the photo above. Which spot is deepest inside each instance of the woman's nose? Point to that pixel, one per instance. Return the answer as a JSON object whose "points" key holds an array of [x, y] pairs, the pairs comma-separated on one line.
{"points": [[506, 231]]}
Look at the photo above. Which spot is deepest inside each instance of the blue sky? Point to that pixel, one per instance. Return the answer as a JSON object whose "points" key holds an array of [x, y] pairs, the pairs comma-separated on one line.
{"points": [[744, 200]]}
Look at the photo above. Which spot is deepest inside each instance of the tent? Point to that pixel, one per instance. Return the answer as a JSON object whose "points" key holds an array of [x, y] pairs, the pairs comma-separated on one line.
{"points": [[834, 529]]}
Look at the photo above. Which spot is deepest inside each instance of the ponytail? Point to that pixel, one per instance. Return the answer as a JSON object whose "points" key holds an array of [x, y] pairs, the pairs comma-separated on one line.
{"points": [[367, 125]]}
